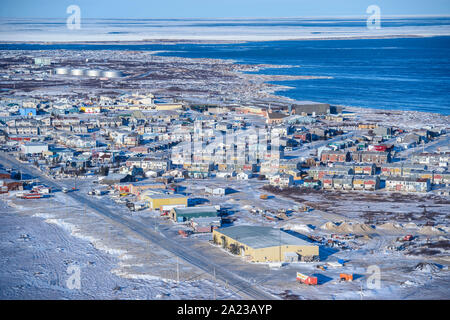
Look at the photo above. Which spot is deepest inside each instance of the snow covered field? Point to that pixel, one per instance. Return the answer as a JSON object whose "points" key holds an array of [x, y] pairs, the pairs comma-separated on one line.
{"points": [[39, 241], [215, 29]]}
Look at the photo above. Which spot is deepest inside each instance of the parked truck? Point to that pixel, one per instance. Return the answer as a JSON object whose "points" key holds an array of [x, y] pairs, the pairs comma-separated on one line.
{"points": [[32, 195], [309, 280]]}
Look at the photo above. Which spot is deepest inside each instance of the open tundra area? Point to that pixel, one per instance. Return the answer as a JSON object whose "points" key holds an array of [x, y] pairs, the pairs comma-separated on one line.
{"points": [[40, 243], [174, 77]]}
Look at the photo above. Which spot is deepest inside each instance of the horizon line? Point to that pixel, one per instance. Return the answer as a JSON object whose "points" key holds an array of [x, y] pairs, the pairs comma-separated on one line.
{"points": [[249, 18]]}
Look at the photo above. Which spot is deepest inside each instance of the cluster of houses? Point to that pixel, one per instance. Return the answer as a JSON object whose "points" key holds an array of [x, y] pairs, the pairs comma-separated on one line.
{"points": [[130, 138]]}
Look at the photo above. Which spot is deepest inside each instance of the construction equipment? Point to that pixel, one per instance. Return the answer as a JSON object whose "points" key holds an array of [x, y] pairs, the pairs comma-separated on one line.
{"points": [[345, 277], [264, 197], [309, 280]]}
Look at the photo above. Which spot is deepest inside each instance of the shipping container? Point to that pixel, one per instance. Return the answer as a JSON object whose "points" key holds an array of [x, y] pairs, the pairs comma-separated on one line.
{"points": [[346, 277]]}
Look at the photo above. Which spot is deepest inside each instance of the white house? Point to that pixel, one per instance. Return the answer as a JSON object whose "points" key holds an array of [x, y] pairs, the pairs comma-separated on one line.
{"points": [[244, 175], [281, 180], [225, 174], [216, 191], [34, 148]]}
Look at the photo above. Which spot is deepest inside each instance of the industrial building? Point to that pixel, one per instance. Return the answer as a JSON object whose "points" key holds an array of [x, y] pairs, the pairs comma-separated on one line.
{"points": [[155, 201], [265, 244], [312, 108], [42, 61], [186, 214], [206, 224], [33, 148]]}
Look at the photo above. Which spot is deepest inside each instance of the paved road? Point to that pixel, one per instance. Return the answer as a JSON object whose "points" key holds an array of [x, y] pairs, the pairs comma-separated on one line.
{"points": [[241, 286], [432, 146]]}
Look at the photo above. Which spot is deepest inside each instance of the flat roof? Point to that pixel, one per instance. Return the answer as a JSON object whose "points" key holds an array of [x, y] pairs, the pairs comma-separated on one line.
{"points": [[166, 196], [192, 210], [305, 102], [262, 237]]}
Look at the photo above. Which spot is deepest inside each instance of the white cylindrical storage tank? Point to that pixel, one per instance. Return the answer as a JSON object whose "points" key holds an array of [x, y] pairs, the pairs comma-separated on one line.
{"points": [[77, 72], [93, 73], [61, 71], [111, 74]]}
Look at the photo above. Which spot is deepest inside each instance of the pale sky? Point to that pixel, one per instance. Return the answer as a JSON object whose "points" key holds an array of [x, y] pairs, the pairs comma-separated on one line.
{"points": [[151, 9]]}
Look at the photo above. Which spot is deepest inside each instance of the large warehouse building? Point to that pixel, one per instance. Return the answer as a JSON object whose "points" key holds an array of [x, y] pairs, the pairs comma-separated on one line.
{"points": [[186, 214], [156, 201], [265, 244], [310, 107], [33, 148]]}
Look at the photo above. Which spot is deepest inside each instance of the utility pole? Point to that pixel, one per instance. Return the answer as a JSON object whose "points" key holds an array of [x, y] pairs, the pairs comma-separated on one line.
{"points": [[178, 272], [279, 246], [361, 292], [215, 283]]}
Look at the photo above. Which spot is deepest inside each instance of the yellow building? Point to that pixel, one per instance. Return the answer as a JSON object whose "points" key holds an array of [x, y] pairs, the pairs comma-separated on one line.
{"points": [[296, 174], [168, 106], [358, 182], [155, 201], [91, 109], [265, 244], [367, 126]]}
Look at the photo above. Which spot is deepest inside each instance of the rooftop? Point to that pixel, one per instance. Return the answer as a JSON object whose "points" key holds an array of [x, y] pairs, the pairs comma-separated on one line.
{"points": [[259, 237], [192, 210], [166, 196]]}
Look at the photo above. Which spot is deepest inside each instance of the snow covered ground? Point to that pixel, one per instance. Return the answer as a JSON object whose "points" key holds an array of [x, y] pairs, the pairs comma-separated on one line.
{"points": [[39, 242], [213, 29]]}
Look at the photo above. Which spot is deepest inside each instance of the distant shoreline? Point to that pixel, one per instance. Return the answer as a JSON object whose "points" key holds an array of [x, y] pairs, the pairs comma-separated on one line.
{"points": [[275, 85], [207, 41]]}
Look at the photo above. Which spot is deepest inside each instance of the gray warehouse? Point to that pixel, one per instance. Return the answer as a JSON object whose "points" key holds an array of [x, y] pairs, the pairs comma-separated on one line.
{"points": [[310, 107]]}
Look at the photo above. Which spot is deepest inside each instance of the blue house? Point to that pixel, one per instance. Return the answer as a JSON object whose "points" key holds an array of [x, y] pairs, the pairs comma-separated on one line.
{"points": [[27, 111]]}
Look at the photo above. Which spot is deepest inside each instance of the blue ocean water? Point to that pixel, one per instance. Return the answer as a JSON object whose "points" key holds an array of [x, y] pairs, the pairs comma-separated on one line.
{"points": [[399, 74]]}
